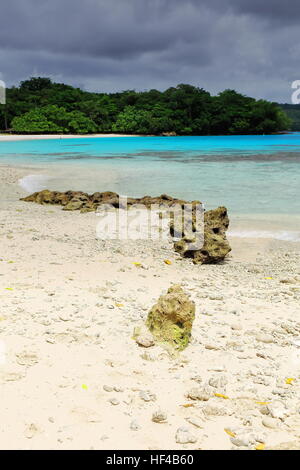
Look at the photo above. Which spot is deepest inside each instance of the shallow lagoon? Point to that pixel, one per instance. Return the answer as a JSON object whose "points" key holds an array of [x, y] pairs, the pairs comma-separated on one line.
{"points": [[248, 174]]}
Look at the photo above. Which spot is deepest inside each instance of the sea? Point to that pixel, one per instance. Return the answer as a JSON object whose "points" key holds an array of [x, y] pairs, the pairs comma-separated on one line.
{"points": [[256, 177]]}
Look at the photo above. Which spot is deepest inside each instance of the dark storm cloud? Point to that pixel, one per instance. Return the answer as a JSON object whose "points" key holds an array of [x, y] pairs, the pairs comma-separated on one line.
{"points": [[274, 11], [270, 10], [109, 45], [117, 28]]}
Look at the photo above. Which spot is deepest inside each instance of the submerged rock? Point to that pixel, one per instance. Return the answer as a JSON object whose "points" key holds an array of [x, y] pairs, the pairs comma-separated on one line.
{"points": [[170, 320]]}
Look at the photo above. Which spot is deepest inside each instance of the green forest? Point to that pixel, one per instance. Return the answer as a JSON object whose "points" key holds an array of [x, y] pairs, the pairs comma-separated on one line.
{"points": [[40, 106], [293, 112]]}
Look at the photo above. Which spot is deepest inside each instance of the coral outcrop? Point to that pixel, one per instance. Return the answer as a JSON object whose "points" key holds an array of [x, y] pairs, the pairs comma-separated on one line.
{"points": [[202, 240], [209, 243], [171, 319]]}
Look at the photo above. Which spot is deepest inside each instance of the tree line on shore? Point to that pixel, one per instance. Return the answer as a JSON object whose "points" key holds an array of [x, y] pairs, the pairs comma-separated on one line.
{"points": [[40, 106]]}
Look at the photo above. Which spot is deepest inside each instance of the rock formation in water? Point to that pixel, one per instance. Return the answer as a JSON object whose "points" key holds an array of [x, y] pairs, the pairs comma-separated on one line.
{"points": [[171, 319], [204, 243]]}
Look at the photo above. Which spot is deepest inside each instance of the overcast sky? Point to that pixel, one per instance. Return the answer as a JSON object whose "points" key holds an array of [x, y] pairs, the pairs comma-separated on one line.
{"points": [[252, 46]]}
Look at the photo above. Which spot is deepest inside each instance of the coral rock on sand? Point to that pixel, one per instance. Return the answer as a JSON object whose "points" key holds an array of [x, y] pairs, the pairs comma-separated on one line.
{"points": [[171, 319], [159, 417], [212, 246], [168, 134], [184, 436], [215, 246], [143, 337], [77, 200]]}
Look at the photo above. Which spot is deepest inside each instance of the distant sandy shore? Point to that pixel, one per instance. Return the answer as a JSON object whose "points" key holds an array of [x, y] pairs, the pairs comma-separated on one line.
{"points": [[15, 137]]}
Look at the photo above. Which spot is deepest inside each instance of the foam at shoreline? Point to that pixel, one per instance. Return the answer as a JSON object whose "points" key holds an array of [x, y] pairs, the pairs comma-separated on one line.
{"points": [[34, 183], [284, 235]]}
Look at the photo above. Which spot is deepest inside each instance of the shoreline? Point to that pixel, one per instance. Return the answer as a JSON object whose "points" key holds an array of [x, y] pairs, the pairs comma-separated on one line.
{"points": [[264, 227], [18, 137]]}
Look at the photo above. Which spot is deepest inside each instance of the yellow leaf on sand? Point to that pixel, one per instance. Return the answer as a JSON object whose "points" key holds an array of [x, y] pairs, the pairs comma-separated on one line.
{"points": [[167, 261], [268, 278], [138, 265], [10, 262], [260, 446], [290, 381], [230, 433], [188, 405], [8, 288], [263, 402], [84, 387], [120, 305], [220, 395]]}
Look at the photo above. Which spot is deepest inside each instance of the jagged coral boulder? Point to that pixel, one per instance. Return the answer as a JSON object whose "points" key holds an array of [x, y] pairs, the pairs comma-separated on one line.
{"points": [[213, 244], [171, 319]]}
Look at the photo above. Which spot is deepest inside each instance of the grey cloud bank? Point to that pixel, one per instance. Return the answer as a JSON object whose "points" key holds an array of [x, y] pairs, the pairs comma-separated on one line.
{"points": [[123, 44]]}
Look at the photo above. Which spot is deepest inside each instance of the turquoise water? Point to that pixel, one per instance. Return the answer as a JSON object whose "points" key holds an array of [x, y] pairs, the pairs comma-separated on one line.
{"points": [[248, 174]]}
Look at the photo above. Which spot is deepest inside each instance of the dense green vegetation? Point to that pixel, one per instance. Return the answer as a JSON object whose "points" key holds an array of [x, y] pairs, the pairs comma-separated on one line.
{"points": [[293, 112], [40, 106]]}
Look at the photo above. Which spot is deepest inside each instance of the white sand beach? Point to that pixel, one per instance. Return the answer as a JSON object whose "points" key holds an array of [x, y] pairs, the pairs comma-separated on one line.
{"points": [[17, 137], [71, 375]]}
